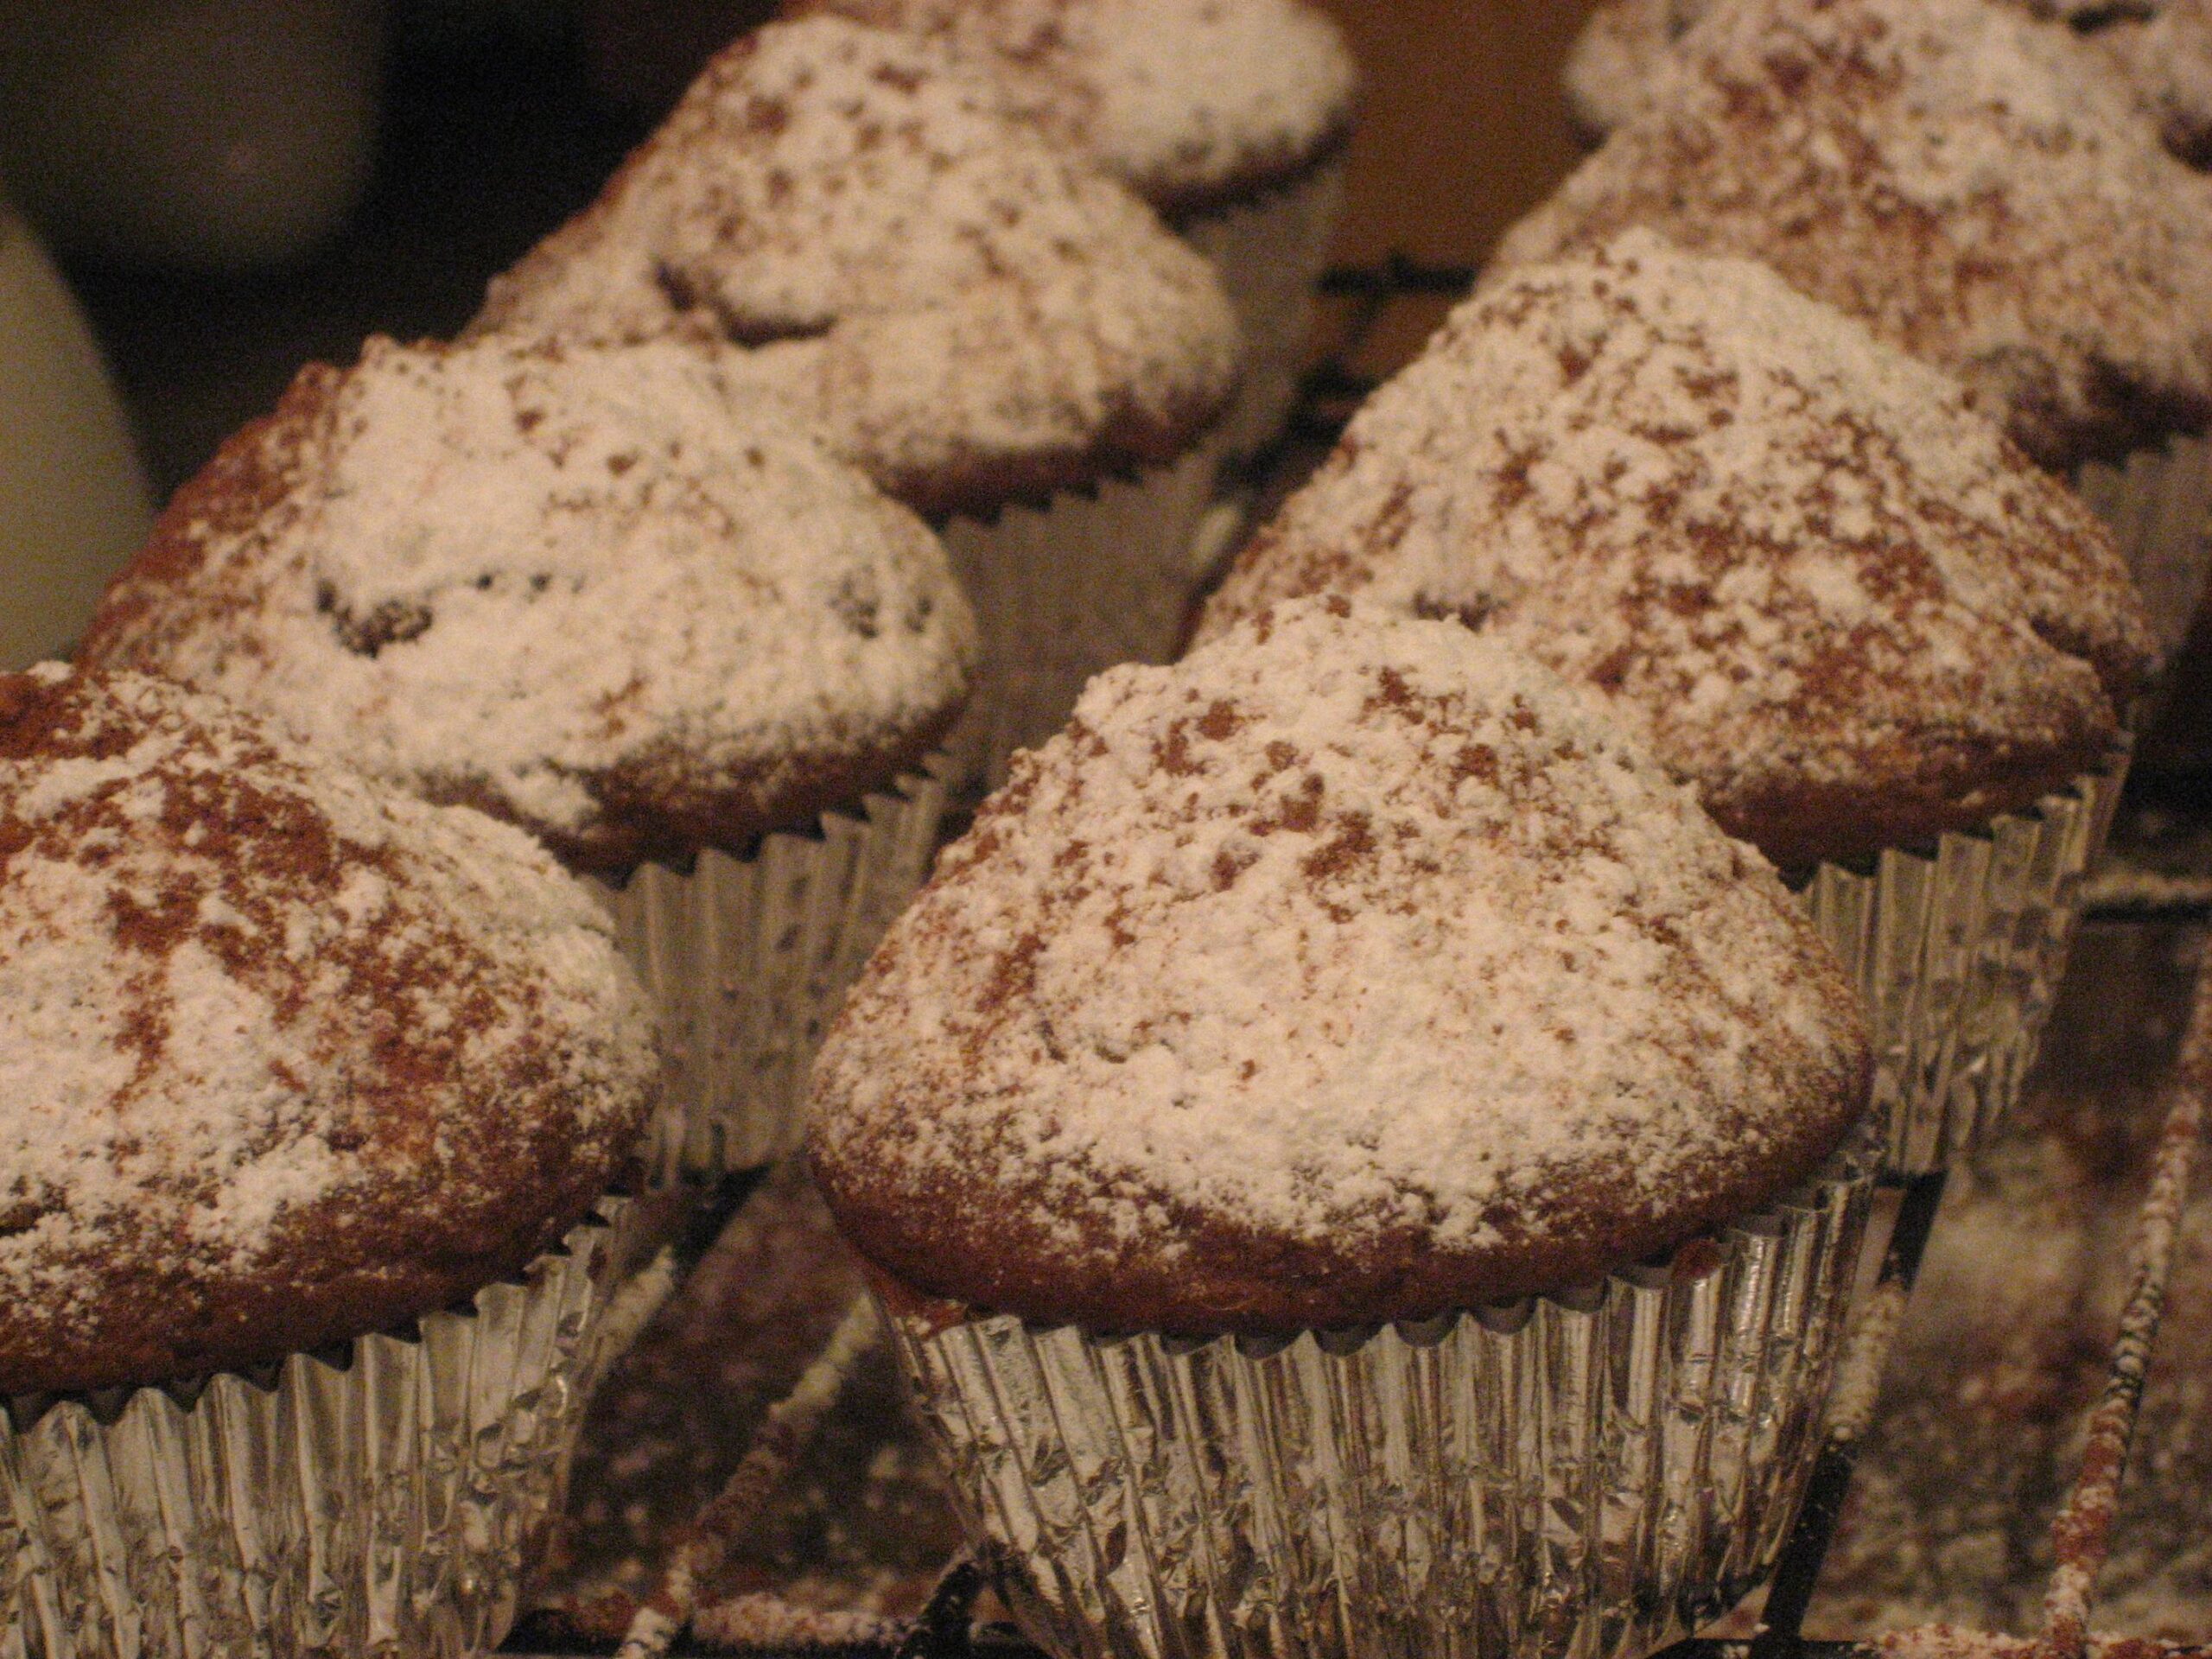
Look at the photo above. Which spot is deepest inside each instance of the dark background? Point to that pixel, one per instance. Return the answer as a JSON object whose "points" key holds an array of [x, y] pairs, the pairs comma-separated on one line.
{"points": [[494, 130]]}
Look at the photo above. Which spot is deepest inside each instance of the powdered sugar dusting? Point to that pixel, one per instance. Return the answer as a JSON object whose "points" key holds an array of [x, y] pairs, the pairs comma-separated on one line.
{"points": [[1185, 100], [1968, 180], [1344, 931], [1791, 554], [570, 586], [2167, 58], [957, 303], [238, 988], [1618, 66]]}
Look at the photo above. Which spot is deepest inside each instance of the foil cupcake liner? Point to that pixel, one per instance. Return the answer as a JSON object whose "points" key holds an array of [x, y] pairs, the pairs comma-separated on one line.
{"points": [[1592, 1474], [2158, 507], [749, 958], [1958, 952], [1089, 579], [384, 1499], [1269, 253]]}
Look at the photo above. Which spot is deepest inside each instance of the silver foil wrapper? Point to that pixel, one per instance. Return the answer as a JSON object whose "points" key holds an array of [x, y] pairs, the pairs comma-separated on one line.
{"points": [[1590, 1475], [1091, 579], [2158, 507], [1269, 253], [384, 1499], [1958, 952], [747, 960]]}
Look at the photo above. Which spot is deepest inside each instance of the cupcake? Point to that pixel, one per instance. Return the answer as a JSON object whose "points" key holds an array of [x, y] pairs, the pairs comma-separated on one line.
{"points": [[1618, 63], [312, 1091], [1874, 637], [591, 592], [1327, 1142], [1229, 117], [1004, 339], [1977, 189]]}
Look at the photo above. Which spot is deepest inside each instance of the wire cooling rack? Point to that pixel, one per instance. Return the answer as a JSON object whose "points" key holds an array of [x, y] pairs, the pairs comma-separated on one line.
{"points": [[947, 1626]]}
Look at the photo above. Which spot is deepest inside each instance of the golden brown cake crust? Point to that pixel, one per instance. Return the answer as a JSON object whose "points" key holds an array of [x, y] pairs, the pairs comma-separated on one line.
{"points": [[1835, 601], [1968, 181], [287, 1059], [960, 306], [586, 591], [1351, 969]]}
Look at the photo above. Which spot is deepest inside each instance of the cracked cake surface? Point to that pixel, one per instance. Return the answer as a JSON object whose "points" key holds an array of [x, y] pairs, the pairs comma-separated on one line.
{"points": [[1834, 600], [1352, 968], [1190, 103], [863, 232], [595, 592], [287, 1057], [1964, 178]]}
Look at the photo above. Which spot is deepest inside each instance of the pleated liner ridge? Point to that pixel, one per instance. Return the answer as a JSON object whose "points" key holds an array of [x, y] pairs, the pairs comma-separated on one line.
{"points": [[1958, 953], [1089, 579], [1270, 253], [1588, 1475], [385, 1502], [749, 958]]}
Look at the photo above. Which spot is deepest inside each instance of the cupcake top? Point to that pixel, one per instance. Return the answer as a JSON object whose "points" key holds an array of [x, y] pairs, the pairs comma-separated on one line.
{"points": [[586, 590], [1834, 600], [1620, 61], [959, 304], [1191, 103], [288, 1058], [1353, 969], [1617, 62], [2167, 58], [1965, 179]]}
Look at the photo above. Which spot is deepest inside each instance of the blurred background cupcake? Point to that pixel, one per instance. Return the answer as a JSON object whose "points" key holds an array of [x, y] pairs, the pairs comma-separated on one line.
{"points": [[1980, 190], [1845, 609], [1229, 117], [315, 1094], [1003, 339], [591, 592], [1314, 1067]]}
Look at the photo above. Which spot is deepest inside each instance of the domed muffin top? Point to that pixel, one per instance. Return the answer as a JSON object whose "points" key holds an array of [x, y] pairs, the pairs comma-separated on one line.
{"points": [[1619, 60], [1963, 178], [1834, 600], [1353, 969], [1190, 103], [590, 591], [957, 303], [2167, 58], [284, 1057]]}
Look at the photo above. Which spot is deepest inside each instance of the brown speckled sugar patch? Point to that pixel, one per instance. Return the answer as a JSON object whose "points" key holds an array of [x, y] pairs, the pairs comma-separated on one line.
{"points": [[1353, 970], [586, 590], [1831, 597], [284, 1058], [1968, 180], [1620, 61], [957, 303], [1190, 103]]}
